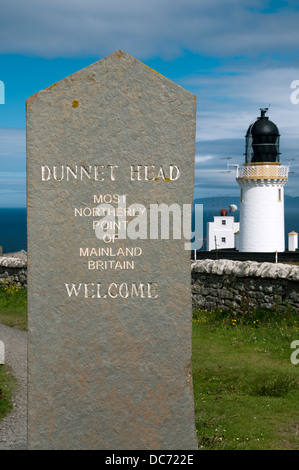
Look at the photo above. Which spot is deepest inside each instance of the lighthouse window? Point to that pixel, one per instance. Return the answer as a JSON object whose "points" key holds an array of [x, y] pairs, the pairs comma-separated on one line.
{"points": [[279, 195], [223, 222], [223, 239], [241, 194]]}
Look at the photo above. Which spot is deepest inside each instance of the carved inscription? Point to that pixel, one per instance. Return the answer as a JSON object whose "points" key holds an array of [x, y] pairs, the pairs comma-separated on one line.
{"points": [[105, 258]]}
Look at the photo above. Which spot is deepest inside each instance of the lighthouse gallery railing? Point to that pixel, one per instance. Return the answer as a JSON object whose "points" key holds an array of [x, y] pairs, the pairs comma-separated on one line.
{"points": [[262, 172]]}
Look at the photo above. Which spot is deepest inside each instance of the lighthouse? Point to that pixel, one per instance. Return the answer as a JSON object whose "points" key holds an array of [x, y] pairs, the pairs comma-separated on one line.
{"points": [[262, 179]]}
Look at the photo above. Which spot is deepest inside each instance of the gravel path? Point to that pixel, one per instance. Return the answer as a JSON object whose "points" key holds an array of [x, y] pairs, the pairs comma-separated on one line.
{"points": [[13, 429]]}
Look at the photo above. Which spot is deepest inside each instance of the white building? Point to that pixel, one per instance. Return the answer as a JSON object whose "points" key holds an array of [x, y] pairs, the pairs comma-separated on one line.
{"points": [[262, 179], [221, 232], [293, 241]]}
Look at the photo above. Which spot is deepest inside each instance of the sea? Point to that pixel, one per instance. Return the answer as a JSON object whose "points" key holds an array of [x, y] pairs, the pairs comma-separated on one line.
{"points": [[13, 229], [13, 223]]}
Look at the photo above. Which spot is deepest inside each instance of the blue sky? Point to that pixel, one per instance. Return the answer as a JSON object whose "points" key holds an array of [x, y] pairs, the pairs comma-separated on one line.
{"points": [[236, 57]]}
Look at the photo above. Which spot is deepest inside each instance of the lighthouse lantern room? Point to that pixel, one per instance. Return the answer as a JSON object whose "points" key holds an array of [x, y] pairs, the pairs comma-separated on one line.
{"points": [[261, 179]]}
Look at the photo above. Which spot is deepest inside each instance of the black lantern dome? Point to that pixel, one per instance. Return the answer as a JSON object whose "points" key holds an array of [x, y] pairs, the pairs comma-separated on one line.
{"points": [[262, 141]]}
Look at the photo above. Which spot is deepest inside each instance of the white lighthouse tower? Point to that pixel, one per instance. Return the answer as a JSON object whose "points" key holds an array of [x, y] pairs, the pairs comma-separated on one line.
{"points": [[261, 179]]}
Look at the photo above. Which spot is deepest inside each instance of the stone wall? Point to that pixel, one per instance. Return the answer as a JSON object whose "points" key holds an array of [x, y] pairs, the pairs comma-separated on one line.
{"points": [[13, 269], [239, 285]]}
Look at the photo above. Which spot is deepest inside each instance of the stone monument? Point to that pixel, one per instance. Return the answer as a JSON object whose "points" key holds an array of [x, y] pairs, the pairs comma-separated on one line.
{"points": [[109, 302]]}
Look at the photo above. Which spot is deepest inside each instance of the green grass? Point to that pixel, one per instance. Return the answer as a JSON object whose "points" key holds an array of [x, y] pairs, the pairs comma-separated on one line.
{"points": [[7, 383], [13, 306], [13, 313], [246, 389]]}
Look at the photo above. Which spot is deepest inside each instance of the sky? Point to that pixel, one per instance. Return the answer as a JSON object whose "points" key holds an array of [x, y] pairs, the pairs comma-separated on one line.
{"points": [[235, 56]]}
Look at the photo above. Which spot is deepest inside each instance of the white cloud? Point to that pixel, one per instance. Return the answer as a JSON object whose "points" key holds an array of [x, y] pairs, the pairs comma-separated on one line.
{"points": [[228, 103], [203, 158], [12, 148], [60, 28], [12, 167], [212, 182]]}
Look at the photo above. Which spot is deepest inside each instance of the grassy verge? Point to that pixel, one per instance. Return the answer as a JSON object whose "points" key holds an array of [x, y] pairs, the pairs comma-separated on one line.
{"points": [[246, 389], [7, 383], [13, 306]]}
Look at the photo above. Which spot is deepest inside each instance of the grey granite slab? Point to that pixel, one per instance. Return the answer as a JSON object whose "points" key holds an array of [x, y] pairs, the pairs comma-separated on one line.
{"points": [[109, 340]]}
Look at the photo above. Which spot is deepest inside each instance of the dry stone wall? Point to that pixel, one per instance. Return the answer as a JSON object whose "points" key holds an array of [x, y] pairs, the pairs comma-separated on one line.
{"points": [[13, 269], [239, 285]]}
